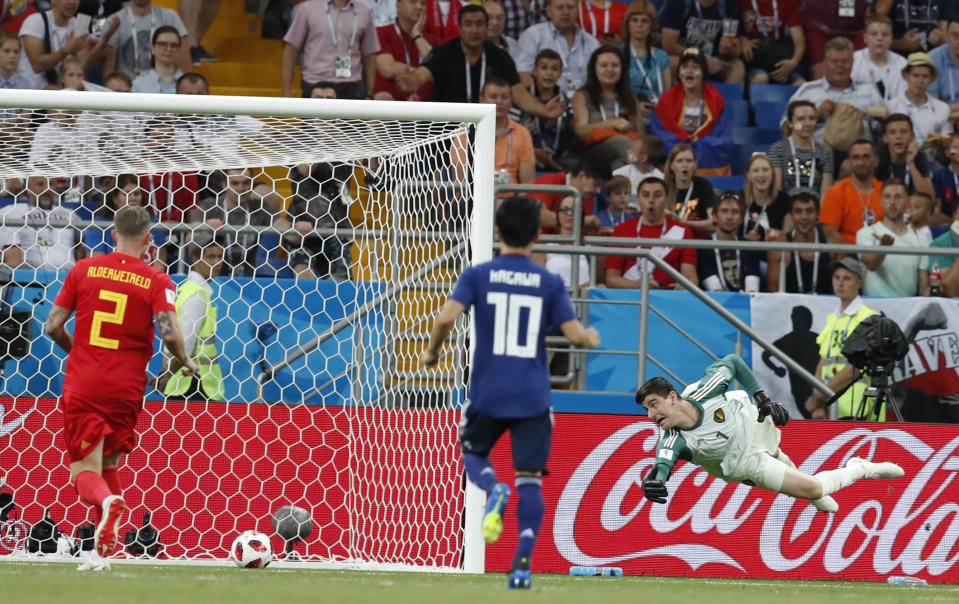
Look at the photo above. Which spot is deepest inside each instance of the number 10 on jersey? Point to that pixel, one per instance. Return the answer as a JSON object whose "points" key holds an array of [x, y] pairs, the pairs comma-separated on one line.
{"points": [[507, 310]]}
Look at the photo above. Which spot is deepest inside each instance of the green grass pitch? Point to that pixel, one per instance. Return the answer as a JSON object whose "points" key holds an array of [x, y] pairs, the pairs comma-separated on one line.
{"points": [[144, 584]]}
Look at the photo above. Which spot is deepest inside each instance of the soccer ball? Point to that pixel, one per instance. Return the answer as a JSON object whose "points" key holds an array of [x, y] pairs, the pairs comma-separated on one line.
{"points": [[251, 550]]}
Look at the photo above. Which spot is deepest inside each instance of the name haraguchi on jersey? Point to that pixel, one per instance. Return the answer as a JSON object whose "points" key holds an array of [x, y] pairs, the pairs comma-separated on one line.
{"points": [[515, 301]]}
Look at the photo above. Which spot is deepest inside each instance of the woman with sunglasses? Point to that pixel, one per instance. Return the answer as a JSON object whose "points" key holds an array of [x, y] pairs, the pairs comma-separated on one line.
{"points": [[561, 263]]}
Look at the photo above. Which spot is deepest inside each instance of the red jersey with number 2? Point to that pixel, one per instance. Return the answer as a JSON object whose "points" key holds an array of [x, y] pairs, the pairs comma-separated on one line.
{"points": [[115, 297]]}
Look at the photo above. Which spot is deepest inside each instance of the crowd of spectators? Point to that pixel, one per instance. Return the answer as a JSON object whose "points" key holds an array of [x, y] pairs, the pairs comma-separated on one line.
{"points": [[624, 101]]}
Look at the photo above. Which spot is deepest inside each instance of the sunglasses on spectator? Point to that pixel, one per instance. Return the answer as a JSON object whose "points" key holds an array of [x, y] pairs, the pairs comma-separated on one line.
{"points": [[731, 195]]}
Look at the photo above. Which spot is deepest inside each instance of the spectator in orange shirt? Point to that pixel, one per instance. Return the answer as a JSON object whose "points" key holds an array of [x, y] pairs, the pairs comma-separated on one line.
{"points": [[514, 158], [853, 202]]}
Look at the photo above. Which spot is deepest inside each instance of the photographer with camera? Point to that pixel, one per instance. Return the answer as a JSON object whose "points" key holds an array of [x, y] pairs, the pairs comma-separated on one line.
{"points": [[833, 367]]}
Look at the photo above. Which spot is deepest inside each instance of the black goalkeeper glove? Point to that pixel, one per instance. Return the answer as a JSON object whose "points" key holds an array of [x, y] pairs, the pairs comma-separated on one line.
{"points": [[769, 407], [655, 490]]}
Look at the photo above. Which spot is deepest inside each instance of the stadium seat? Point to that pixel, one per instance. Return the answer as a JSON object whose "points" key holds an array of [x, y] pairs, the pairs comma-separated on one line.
{"points": [[768, 115], [742, 153], [726, 183], [771, 93], [766, 136], [732, 92], [740, 112]]}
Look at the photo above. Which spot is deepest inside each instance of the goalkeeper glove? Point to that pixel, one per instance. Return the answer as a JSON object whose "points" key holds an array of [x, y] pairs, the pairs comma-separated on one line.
{"points": [[769, 407], [654, 490]]}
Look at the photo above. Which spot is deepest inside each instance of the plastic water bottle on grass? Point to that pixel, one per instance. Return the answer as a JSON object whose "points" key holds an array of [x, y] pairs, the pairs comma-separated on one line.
{"points": [[906, 581]]}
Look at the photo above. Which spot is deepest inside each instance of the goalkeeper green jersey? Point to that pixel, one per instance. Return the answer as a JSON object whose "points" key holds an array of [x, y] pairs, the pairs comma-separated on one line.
{"points": [[726, 427]]}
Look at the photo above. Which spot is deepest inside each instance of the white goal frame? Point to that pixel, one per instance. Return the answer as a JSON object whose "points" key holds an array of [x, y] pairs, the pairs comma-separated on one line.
{"points": [[483, 117]]}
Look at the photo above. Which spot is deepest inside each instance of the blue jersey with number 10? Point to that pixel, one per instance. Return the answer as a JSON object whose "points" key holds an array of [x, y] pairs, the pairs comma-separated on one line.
{"points": [[516, 300]]}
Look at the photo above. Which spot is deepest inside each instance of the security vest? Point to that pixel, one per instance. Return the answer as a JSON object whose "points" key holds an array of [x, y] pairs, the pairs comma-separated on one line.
{"points": [[830, 341], [204, 350]]}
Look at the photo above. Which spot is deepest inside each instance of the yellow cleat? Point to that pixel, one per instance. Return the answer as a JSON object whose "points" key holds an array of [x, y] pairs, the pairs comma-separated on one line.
{"points": [[493, 520]]}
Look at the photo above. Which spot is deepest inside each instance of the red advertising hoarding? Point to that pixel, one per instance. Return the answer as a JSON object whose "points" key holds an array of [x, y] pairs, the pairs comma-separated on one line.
{"points": [[209, 471], [596, 513], [381, 485]]}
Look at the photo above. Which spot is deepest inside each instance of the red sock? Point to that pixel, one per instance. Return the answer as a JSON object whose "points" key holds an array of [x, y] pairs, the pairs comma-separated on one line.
{"points": [[112, 480], [92, 488]]}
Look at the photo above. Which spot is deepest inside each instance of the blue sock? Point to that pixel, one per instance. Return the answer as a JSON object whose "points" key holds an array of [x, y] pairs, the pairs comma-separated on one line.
{"points": [[529, 515], [479, 471]]}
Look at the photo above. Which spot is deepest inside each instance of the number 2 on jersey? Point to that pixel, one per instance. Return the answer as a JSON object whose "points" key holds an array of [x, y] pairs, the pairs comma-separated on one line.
{"points": [[507, 311], [101, 316]]}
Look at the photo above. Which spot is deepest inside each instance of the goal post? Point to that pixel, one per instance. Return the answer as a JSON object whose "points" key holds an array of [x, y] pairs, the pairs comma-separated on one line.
{"points": [[344, 225]]}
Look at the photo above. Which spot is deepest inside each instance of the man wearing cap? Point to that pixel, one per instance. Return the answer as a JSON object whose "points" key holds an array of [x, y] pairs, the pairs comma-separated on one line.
{"points": [[929, 115], [833, 368]]}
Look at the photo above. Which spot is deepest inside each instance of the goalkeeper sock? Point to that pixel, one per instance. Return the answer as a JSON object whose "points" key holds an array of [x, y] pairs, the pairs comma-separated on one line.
{"points": [[833, 480], [112, 480], [480, 471], [91, 487], [529, 515]]}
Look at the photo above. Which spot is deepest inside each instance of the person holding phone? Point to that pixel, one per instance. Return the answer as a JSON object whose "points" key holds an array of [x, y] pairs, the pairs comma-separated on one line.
{"points": [[48, 38]]}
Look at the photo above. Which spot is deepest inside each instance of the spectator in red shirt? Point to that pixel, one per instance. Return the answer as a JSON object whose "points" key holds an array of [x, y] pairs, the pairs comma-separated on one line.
{"points": [[824, 20], [587, 177], [14, 12], [169, 194], [602, 19], [402, 44], [773, 41], [442, 19], [624, 272]]}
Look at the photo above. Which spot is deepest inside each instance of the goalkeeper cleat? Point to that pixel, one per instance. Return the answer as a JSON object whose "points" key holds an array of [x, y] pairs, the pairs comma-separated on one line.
{"points": [[826, 504], [885, 469], [519, 575], [493, 520], [106, 538]]}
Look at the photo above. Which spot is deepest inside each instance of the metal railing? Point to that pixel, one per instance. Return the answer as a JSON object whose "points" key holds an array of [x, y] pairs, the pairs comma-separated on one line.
{"points": [[612, 246]]}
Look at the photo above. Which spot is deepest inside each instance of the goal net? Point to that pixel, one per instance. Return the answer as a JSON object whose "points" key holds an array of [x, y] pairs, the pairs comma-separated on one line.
{"points": [[343, 227]]}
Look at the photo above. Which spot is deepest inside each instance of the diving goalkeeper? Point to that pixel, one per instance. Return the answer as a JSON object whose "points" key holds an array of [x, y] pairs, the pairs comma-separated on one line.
{"points": [[725, 434]]}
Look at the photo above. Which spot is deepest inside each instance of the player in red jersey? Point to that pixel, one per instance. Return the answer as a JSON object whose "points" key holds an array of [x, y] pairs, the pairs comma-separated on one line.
{"points": [[117, 298]]}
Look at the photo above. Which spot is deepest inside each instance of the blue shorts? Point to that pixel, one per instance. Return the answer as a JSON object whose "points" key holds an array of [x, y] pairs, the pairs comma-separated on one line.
{"points": [[531, 437]]}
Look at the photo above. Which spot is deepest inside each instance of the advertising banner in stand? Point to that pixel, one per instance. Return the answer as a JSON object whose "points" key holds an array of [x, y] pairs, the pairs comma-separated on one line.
{"points": [[926, 380]]}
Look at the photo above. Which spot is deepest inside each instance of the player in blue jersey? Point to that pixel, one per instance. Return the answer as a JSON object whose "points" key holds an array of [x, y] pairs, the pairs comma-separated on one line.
{"points": [[722, 432], [515, 302]]}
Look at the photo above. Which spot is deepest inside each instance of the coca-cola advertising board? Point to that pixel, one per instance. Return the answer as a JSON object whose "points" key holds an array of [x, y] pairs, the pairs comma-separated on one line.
{"points": [[596, 513], [208, 471]]}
